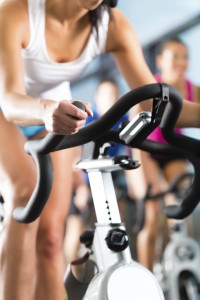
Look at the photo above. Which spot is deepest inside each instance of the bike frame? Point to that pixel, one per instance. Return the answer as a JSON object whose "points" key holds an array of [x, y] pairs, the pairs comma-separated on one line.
{"points": [[181, 257], [179, 267], [117, 274]]}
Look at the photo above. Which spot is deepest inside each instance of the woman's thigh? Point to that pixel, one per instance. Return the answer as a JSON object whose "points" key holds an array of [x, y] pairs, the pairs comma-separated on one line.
{"points": [[175, 168], [17, 170], [56, 209]]}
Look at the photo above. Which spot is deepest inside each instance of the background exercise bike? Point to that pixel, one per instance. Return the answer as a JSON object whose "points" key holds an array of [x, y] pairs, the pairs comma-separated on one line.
{"points": [[178, 271], [117, 275]]}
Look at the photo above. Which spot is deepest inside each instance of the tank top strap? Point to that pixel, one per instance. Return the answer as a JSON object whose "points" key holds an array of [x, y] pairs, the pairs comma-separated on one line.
{"points": [[103, 31], [189, 90], [158, 77], [36, 13]]}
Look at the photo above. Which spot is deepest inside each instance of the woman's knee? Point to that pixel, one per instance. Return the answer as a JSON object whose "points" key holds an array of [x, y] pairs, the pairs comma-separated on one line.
{"points": [[17, 191], [24, 189], [50, 241], [152, 221]]}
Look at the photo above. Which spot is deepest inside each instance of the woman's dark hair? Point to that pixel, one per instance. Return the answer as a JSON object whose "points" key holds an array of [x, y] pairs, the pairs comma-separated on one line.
{"points": [[168, 41], [95, 15]]}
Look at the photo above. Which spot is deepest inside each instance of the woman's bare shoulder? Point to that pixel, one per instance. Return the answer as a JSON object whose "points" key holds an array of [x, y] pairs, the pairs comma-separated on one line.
{"points": [[14, 19], [120, 30], [13, 10]]}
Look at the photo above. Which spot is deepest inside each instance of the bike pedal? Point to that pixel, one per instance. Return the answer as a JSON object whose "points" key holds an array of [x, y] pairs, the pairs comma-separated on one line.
{"points": [[87, 237]]}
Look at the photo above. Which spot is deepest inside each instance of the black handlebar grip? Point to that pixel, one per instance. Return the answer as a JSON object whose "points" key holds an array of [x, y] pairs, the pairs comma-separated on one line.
{"points": [[79, 104]]}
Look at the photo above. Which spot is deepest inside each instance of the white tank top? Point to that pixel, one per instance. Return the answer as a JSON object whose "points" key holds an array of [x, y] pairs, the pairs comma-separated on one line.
{"points": [[45, 78]]}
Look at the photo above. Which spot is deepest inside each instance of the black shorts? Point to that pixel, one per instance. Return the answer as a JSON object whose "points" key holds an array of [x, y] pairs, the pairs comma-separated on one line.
{"points": [[163, 161]]}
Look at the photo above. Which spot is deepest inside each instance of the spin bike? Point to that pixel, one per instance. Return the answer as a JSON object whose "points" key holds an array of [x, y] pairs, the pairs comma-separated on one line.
{"points": [[179, 267], [115, 274]]}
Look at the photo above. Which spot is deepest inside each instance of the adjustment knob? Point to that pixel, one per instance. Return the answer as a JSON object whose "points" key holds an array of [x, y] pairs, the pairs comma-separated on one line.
{"points": [[117, 240]]}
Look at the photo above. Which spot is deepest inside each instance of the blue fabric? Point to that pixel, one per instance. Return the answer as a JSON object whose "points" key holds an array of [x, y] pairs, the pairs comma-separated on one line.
{"points": [[116, 149], [30, 131]]}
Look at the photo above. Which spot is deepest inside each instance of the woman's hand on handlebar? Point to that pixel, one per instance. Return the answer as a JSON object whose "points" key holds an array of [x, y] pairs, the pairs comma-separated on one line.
{"points": [[184, 147], [63, 117]]}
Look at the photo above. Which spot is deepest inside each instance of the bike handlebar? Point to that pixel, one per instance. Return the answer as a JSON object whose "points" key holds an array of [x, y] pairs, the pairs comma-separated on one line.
{"points": [[40, 149], [174, 187]]}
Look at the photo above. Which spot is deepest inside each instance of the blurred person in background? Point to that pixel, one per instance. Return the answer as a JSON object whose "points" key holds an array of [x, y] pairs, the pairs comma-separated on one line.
{"points": [[172, 61]]}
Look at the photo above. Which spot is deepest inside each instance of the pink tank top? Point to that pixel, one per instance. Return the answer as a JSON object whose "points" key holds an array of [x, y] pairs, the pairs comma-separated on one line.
{"points": [[156, 135]]}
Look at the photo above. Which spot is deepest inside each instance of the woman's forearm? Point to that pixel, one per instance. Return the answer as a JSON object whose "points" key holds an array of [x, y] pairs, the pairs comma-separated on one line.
{"points": [[24, 110], [58, 117], [190, 115]]}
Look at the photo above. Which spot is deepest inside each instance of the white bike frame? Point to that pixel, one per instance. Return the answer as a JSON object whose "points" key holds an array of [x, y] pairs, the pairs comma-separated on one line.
{"points": [[117, 275]]}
